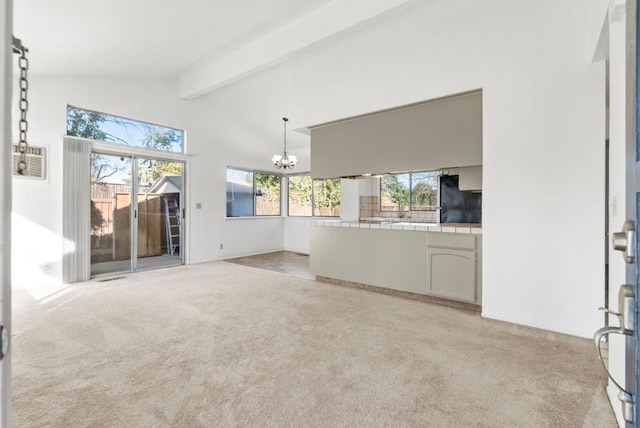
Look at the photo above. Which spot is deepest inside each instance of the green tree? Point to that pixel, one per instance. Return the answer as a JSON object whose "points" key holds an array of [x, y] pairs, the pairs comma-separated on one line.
{"points": [[84, 124], [424, 193], [268, 185], [162, 168], [300, 190], [88, 124], [396, 190], [159, 138], [327, 196]]}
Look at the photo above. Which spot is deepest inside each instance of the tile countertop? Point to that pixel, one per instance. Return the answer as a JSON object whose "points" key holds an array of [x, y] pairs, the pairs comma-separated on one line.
{"points": [[470, 228]]}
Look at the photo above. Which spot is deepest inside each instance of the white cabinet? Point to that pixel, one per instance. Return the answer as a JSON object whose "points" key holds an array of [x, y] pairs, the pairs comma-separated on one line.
{"points": [[470, 178], [452, 266], [452, 273], [441, 264]]}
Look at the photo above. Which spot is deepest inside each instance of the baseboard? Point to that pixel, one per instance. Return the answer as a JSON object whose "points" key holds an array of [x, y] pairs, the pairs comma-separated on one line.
{"points": [[405, 294], [539, 326], [234, 256], [300, 251]]}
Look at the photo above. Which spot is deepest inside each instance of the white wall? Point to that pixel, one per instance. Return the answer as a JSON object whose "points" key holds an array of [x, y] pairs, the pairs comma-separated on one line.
{"points": [[543, 134], [296, 234], [38, 204], [350, 199], [245, 236]]}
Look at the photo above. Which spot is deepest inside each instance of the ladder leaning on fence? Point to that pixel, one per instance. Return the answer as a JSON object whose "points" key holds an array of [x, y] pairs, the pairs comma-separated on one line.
{"points": [[172, 221]]}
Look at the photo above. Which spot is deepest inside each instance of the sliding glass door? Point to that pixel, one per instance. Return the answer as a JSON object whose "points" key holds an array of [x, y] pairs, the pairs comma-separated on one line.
{"points": [[111, 213], [159, 231], [135, 224]]}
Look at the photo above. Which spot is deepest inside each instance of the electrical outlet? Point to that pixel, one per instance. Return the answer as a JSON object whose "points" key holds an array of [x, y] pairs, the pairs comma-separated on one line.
{"points": [[221, 246], [198, 205]]}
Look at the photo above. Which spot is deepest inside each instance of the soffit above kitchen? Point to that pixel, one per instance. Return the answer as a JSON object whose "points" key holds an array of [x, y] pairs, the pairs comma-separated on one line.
{"points": [[432, 135]]}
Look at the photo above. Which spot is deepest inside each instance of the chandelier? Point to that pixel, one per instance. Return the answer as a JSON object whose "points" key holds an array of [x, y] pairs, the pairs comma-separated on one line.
{"points": [[285, 161]]}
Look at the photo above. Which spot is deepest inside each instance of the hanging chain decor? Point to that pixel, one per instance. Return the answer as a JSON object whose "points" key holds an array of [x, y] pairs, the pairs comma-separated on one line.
{"points": [[23, 63]]}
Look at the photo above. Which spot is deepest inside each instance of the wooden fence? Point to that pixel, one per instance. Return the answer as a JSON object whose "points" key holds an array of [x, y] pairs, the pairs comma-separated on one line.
{"points": [[101, 225], [150, 222], [106, 191], [305, 210]]}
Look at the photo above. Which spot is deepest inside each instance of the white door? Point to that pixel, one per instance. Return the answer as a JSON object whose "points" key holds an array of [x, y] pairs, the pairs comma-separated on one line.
{"points": [[6, 20]]}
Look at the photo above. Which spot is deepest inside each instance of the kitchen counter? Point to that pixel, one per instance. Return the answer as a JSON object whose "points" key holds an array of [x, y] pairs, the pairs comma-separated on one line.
{"points": [[469, 228], [443, 261]]}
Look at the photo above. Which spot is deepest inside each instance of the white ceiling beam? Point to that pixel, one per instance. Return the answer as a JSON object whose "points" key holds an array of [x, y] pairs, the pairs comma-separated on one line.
{"points": [[328, 21]]}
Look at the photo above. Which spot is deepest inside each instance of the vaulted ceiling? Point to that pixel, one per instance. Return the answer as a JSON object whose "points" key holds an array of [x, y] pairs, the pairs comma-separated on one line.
{"points": [[144, 38], [201, 44]]}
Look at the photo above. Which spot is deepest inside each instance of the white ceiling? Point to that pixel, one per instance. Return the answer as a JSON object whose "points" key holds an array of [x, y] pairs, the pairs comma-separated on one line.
{"points": [[144, 38]]}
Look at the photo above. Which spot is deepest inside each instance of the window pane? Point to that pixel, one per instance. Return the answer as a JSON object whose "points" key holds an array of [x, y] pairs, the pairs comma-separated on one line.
{"points": [[267, 194], [239, 193], [300, 195], [394, 193], [118, 130], [424, 191], [326, 194]]}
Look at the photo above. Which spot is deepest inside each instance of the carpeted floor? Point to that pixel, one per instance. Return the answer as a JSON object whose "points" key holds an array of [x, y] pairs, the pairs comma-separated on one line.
{"points": [[219, 344]]}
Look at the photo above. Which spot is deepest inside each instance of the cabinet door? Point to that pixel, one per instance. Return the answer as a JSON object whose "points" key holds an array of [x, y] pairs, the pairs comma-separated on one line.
{"points": [[451, 274]]}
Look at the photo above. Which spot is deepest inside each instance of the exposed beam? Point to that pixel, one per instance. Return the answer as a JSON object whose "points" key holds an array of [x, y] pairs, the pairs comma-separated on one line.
{"points": [[328, 21]]}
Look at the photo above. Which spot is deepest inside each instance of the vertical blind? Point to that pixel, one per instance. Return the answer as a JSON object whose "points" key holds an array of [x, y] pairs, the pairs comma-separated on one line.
{"points": [[76, 212]]}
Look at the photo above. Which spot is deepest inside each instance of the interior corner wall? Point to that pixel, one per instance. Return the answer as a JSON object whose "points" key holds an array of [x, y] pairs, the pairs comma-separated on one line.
{"points": [[543, 135], [37, 204], [296, 234], [297, 229]]}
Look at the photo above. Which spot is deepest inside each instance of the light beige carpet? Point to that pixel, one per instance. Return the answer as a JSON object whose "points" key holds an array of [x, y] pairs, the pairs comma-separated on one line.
{"points": [[218, 344]]}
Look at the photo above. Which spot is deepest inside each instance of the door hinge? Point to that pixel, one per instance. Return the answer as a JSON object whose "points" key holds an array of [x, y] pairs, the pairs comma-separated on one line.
{"points": [[4, 341], [628, 406]]}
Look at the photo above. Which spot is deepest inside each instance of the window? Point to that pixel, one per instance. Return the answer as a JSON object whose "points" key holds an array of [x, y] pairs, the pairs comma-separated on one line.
{"points": [[394, 192], [326, 198], [424, 191], [416, 191], [113, 129], [267, 193], [252, 193], [319, 198], [300, 196], [239, 193]]}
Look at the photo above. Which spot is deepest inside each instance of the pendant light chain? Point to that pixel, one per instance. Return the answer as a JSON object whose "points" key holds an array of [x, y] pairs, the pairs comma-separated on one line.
{"points": [[23, 104], [285, 134]]}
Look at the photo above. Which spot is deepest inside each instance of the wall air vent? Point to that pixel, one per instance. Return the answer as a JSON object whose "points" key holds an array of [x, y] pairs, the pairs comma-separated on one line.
{"points": [[36, 162]]}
